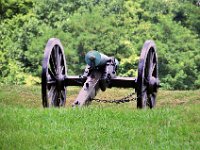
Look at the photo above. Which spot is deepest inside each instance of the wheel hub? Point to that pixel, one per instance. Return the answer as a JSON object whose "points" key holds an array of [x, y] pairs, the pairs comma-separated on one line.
{"points": [[60, 81]]}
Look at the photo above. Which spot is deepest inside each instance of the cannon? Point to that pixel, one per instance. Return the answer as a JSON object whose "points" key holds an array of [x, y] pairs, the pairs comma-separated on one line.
{"points": [[100, 73]]}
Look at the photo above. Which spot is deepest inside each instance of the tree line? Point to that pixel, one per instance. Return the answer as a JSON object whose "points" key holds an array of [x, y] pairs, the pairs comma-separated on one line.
{"points": [[116, 28]]}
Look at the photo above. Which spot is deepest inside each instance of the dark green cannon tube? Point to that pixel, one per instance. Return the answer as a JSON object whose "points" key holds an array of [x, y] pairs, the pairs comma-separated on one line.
{"points": [[95, 59]]}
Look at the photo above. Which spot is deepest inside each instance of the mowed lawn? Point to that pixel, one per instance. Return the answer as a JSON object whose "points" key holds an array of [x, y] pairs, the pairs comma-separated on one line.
{"points": [[24, 124]]}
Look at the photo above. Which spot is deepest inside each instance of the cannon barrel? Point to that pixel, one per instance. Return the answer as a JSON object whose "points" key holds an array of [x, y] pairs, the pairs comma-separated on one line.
{"points": [[95, 59]]}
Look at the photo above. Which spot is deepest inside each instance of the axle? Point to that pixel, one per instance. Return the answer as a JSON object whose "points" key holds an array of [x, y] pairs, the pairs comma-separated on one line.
{"points": [[120, 82]]}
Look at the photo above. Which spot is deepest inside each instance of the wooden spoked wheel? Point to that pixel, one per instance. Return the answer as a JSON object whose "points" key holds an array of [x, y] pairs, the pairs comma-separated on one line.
{"points": [[147, 80], [53, 74]]}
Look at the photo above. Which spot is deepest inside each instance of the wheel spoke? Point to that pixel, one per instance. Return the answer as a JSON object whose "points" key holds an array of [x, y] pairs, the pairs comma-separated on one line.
{"points": [[62, 97], [54, 98], [152, 57], [57, 57], [52, 64], [61, 59], [144, 88], [51, 92], [51, 82], [144, 99], [145, 82], [147, 67], [149, 59], [152, 69], [51, 74], [152, 98], [54, 53], [62, 70], [61, 64], [63, 94]]}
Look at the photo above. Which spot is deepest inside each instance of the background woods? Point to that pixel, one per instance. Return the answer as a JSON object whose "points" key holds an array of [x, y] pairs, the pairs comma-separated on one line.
{"points": [[117, 28]]}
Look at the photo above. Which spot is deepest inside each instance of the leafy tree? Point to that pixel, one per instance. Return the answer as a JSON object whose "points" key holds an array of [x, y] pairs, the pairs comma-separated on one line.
{"points": [[10, 8], [116, 28]]}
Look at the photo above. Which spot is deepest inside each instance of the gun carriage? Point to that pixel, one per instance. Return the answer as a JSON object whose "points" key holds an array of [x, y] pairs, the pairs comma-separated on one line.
{"points": [[100, 73]]}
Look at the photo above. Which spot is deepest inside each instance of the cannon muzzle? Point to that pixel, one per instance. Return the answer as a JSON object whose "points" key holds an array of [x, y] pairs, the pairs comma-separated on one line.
{"points": [[95, 59]]}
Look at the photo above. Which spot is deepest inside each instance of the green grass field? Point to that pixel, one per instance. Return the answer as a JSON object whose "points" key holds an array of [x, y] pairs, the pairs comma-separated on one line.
{"points": [[24, 124]]}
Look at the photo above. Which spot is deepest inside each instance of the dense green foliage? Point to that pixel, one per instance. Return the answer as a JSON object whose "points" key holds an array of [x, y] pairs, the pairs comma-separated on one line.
{"points": [[173, 124], [116, 28]]}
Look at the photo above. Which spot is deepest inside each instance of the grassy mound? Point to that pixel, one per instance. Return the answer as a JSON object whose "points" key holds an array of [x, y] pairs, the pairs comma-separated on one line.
{"points": [[24, 124]]}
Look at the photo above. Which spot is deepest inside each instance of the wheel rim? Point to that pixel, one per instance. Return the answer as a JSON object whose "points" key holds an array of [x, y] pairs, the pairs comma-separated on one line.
{"points": [[147, 81], [53, 75]]}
